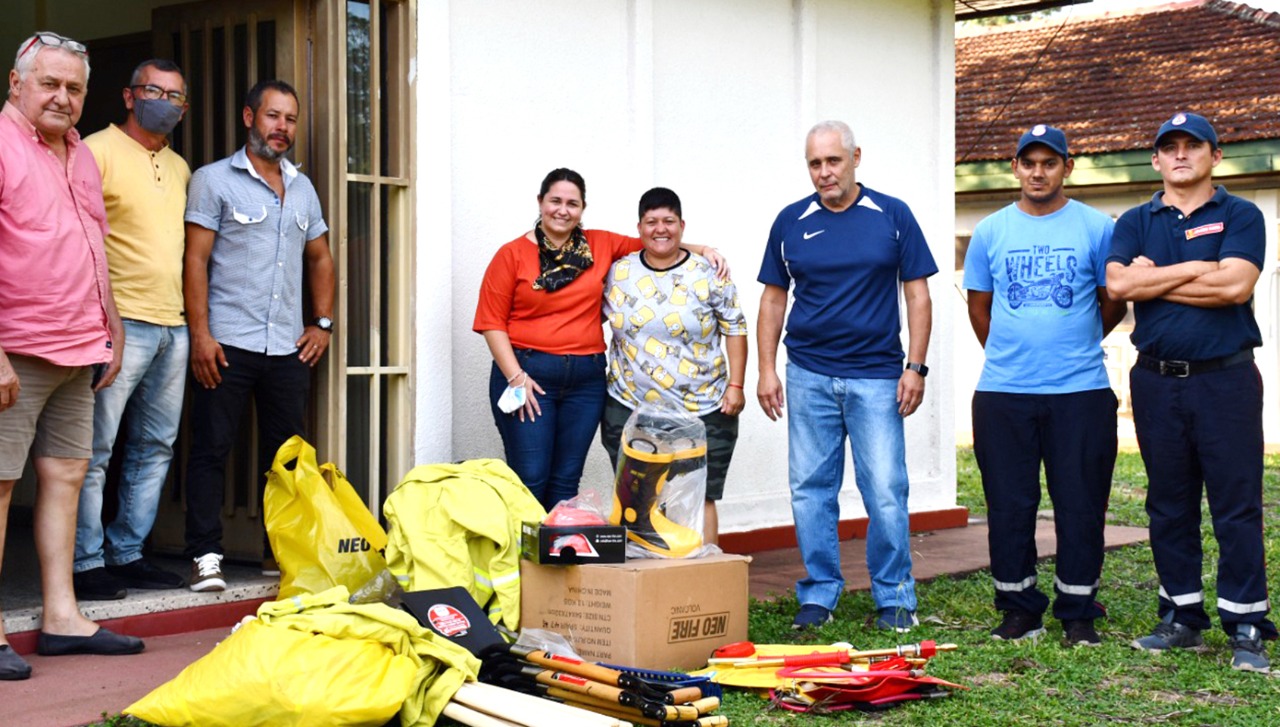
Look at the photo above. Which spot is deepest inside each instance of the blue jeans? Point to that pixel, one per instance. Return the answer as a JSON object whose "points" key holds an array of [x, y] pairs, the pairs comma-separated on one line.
{"points": [[149, 389], [824, 411], [548, 453]]}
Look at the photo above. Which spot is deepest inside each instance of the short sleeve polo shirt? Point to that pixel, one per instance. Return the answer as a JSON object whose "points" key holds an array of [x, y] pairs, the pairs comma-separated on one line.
{"points": [[1224, 227], [846, 266]]}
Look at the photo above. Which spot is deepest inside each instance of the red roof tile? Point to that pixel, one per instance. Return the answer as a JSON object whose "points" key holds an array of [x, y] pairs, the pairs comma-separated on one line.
{"points": [[1110, 80]]}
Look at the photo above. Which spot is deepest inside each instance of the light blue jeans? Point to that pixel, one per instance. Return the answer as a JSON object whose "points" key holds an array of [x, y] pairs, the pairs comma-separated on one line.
{"points": [[824, 411], [149, 388]]}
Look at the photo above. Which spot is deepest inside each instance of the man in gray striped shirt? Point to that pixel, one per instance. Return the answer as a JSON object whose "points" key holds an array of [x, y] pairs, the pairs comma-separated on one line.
{"points": [[254, 231]]}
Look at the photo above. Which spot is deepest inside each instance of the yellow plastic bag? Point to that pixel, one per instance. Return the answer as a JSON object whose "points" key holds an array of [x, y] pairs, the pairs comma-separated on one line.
{"points": [[266, 675], [321, 533]]}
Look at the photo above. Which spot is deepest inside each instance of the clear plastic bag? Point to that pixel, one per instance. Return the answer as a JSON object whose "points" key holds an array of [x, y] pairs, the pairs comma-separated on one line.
{"points": [[548, 641], [587, 508], [661, 483], [382, 588]]}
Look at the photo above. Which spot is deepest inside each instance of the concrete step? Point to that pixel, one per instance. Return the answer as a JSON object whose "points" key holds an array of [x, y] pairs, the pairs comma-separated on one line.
{"points": [[143, 613]]}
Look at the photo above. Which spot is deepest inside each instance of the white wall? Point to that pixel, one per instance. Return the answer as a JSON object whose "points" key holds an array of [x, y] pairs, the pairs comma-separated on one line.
{"points": [[1266, 300], [711, 98]]}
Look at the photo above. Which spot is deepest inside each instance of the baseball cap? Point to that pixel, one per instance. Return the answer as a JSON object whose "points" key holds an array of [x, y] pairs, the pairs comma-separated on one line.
{"points": [[1193, 124], [1050, 136]]}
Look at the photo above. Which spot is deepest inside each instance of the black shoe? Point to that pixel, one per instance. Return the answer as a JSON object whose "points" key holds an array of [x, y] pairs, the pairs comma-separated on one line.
{"points": [[96, 584], [12, 667], [101, 642], [1018, 625], [1081, 633], [144, 574]]}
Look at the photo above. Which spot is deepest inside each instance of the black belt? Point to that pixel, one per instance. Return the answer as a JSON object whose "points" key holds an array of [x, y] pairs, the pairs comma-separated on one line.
{"points": [[1183, 369]]}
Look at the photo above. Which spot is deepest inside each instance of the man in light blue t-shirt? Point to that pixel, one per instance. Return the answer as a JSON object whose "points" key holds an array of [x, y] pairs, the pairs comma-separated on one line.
{"points": [[1036, 276]]}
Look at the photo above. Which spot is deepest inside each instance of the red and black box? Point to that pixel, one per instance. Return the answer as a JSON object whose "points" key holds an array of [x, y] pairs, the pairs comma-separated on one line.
{"points": [[573, 544]]}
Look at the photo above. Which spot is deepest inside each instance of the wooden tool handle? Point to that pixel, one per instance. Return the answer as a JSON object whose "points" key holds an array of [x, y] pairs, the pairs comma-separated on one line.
{"points": [[820, 658], [582, 700], [525, 709], [557, 662], [682, 695], [706, 704], [581, 685], [472, 718]]}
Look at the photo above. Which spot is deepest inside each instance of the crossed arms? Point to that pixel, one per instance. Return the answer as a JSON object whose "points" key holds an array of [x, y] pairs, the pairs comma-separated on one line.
{"points": [[1199, 283]]}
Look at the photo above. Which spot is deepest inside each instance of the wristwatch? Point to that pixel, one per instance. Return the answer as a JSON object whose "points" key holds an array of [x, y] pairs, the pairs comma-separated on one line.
{"points": [[919, 368], [324, 323]]}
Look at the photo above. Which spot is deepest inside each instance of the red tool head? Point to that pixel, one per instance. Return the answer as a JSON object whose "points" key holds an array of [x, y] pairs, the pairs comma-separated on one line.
{"points": [[738, 649]]}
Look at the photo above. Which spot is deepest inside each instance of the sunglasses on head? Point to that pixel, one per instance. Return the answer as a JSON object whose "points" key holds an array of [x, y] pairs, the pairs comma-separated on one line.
{"points": [[53, 40]]}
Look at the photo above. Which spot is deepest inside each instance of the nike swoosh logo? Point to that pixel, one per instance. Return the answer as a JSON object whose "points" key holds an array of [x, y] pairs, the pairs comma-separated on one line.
{"points": [[809, 235]]}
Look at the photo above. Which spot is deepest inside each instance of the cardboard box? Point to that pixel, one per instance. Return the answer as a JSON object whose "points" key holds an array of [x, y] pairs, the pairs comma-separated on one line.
{"points": [[573, 544], [649, 613]]}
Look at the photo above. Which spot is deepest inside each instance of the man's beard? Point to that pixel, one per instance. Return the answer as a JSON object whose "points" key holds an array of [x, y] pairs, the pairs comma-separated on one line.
{"points": [[261, 148]]}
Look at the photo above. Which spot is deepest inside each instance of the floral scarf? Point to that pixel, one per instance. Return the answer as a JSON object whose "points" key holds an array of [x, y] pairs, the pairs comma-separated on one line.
{"points": [[563, 266]]}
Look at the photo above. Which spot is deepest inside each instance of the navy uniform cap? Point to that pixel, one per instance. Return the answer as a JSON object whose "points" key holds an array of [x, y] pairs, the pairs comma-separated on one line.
{"points": [[1193, 124], [1050, 136]]}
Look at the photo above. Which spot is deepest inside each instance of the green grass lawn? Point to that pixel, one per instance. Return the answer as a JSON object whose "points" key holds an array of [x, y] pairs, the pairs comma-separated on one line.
{"points": [[1046, 683]]}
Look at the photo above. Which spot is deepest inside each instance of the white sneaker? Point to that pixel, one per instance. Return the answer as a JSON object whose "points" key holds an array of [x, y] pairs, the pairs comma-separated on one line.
{"points": [[206, 573]]}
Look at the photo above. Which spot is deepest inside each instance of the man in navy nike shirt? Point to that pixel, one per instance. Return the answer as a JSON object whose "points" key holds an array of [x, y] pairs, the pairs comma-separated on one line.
{"points": [[845, 249]]}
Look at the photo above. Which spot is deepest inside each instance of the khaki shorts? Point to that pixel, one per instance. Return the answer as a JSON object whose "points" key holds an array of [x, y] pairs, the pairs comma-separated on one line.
{"points": [[53, 416]]}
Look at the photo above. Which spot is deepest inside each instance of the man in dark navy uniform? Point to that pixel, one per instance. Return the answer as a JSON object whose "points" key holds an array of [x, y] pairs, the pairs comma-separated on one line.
{"points": [[1189, 259]]}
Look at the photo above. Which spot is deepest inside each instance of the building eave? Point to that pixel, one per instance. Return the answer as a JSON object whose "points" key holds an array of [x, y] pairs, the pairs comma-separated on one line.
{"points": [[975, 9], [1245, 159]]}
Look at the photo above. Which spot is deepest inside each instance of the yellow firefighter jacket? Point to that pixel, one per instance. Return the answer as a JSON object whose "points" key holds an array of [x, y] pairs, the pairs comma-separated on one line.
{"points": [[459, 525]]}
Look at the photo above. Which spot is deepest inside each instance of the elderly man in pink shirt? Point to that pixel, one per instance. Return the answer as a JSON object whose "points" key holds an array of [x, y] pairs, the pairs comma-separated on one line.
{"points": [[59, 327]]}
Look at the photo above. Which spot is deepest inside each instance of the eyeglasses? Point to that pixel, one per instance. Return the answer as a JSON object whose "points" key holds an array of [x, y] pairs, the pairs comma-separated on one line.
{"points": [[53, 40], [152, 93]]}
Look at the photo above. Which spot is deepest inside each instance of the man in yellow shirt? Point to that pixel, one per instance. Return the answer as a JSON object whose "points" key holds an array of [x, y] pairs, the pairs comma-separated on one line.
{"points": [[144, 185]]}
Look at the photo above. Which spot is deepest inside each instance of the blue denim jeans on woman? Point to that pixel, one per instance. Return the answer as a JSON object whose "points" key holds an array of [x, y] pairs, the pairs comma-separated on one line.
{"points": [[149, 389], [548, 453], [823, 412]]}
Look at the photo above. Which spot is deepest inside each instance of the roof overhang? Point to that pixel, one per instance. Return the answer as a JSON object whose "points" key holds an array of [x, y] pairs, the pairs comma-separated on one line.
{"points": [[1243, 159], [973, 9]]}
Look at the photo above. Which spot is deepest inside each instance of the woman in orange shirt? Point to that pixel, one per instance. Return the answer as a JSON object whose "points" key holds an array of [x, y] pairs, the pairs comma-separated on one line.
{"points": [[540, 314]]}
